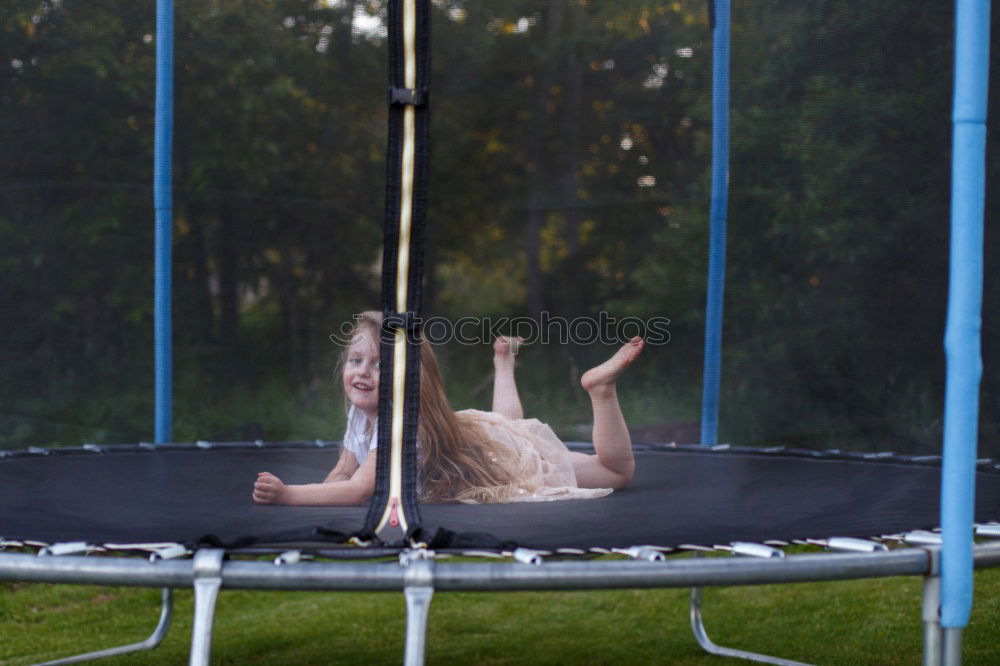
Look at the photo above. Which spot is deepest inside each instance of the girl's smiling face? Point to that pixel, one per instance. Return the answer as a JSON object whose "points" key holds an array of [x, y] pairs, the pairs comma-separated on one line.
{"points": [[361, 374]]}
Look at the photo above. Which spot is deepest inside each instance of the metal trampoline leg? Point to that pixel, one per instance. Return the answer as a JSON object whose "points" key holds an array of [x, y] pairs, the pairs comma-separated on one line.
{"points": [[932, 621], [951, 646], [698, 627], [207, 581], [418, 591], [166, 616]]}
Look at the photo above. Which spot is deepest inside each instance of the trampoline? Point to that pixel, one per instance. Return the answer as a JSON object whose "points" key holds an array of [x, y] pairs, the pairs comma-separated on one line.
{"points": [[880, 514], [171, 500]]}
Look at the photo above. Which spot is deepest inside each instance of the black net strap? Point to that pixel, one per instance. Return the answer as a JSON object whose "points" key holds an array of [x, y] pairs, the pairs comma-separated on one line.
{"points": [[394, 515]]}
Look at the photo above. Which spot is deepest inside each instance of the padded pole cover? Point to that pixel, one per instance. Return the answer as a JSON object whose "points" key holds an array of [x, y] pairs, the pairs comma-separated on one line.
{"points": [[965, 298], [717, 223], [163, 205]]}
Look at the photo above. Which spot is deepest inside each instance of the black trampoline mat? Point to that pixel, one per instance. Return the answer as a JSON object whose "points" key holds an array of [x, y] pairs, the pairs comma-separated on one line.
{"points": [[682, 496]]}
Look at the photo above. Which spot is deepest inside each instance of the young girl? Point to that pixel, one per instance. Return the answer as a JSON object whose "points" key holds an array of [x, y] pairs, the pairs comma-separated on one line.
{"points": [[471, 456]]}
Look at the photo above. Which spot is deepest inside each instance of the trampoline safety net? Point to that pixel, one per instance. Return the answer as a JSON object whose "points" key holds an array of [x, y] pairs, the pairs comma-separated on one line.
{"points": [[568, 204]]}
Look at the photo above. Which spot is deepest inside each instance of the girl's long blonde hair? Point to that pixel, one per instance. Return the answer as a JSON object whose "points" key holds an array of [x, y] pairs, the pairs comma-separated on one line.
{"points": [[457, 461]]}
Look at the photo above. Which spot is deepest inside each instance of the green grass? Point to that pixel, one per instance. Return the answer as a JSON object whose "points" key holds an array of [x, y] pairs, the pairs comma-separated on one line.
{"points": [[853, 622]]}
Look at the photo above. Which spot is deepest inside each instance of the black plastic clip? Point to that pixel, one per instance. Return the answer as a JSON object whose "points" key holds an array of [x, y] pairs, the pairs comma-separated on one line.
{"points": [[408, 96]]}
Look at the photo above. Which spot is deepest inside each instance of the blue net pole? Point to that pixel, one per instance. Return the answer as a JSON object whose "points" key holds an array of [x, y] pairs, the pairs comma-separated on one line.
{"points": [[162, 203], [717, 225], [965, 291]]}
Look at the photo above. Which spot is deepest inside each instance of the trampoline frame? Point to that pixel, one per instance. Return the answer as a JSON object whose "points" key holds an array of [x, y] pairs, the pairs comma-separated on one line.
{"points": [[419, 576]]}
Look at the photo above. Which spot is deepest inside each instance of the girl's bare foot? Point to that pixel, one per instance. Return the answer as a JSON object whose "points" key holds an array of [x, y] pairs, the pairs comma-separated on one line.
{"points": [[606, 374], [505, 348]]}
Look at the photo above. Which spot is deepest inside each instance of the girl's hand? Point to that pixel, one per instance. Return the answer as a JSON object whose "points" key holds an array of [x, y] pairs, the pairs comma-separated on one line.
{"points": [[269, 489]]}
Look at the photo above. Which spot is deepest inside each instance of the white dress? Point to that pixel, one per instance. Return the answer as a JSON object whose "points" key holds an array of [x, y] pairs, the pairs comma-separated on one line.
{"points": [[537, 459], [357, 438]]}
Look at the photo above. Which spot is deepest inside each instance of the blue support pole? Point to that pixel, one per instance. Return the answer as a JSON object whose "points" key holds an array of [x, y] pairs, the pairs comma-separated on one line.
{"points": [[163, 205], [965, 290], [717, 225]]}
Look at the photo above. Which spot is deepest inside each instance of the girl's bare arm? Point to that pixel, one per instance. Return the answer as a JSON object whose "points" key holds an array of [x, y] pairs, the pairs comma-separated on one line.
{"points": [[269, 489], [346, 466]]}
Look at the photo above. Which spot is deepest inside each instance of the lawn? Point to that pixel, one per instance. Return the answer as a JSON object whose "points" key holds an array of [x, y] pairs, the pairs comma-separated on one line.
{"points": [[854, 622]]}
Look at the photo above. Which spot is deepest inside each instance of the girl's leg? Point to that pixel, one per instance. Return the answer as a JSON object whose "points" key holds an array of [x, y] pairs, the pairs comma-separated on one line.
{"points": [[613, 464], [505, 398]]}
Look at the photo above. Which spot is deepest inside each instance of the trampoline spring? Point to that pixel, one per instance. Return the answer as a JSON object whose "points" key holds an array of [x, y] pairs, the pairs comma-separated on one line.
{"points": [[749, 549], [168, 552], [129, 547], [528, 556], [68, 548], [855, 545], [571, 551], [647, 553], [988, 530], [482, 553], [895, 538], [414, 554], [290, 557], [922, 538]]}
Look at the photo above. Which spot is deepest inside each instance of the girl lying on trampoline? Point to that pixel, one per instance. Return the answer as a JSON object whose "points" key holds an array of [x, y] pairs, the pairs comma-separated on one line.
{"points": [[471, 456]]}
